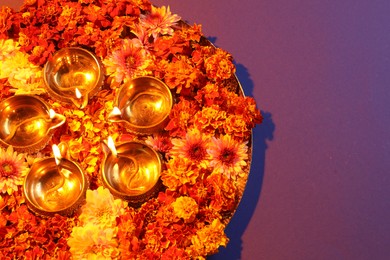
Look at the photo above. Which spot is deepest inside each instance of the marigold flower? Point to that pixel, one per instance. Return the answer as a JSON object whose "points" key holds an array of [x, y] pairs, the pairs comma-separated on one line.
{"points": [[181, 75], [209, 119], [208, 239], [180, 171], [185, 208], [13, 168], [101, 208], [219, 66], [93, 242], [23, 76], [222, 192], [181, 117], [159, 21], [228, 156]]}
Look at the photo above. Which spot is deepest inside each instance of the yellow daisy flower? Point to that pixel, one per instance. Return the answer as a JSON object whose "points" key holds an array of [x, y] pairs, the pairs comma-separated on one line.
{"points": [[13, 168]]}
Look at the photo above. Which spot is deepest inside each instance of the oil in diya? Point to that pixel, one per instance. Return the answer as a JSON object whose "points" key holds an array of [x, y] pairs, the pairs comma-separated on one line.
{"points": [[55, 185], [131, 171], [73, 75], [143, 104], [27, 123]]}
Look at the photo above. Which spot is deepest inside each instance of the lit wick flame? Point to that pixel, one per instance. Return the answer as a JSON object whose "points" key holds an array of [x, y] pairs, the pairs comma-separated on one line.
{"points": [[57, 154], [78, 93], [116, 112], [111, 146], [52, 114]]}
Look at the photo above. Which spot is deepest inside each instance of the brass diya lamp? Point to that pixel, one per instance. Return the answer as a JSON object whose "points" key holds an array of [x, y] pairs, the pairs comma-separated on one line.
{"points": [[143, 104], [27, 123], [55, 185], [131, 171], [73, 75]]}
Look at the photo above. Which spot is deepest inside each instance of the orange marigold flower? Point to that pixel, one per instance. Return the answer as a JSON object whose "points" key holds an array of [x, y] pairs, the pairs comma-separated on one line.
{"points": [[185, 208], [209, 119], [223, 192], [228, 156], [237, 126], [180, 171], [181, 117], [219, 66], [208, 239], [180, 74]]}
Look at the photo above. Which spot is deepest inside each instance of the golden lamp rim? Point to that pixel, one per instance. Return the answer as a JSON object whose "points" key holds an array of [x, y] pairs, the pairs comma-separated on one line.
{"points": [[64, 211], [170, 97], [93, 91], [31, 147], [125, 195]]}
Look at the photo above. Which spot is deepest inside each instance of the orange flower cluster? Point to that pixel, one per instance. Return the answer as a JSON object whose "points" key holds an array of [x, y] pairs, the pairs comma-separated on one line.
{"points": [[204, 144]]}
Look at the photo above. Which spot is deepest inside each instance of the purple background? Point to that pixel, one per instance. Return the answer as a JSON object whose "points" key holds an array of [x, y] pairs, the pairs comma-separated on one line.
{"points": [[319, 70]]}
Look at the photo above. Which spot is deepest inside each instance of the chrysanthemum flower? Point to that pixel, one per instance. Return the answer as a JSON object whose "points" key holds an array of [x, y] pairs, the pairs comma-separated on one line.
{"points": [[101, 208], [130, 61], [185, 208], [193, 147], [93, 242], [228, 155], [160, 143], [13, 168], [159, 21]]}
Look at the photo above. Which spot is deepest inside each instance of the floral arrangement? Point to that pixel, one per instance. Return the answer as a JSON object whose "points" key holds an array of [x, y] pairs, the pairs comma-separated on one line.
{"points": [[205, 145]]}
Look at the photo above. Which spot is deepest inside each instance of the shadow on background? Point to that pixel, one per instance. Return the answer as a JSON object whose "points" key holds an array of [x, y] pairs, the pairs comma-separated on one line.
{"points": [[261, 134]]}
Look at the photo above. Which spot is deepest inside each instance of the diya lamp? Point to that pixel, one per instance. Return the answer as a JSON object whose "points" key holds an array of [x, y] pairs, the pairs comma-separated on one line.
{"points": [[55, 185], [143, 104], [131, 171], [73, 75], [27, 123]]}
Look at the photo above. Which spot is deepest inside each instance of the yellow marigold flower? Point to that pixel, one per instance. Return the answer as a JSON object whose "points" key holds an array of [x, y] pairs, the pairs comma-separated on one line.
{"points": [[208, 239], [23, 76], [101, 208], [13, 169], [228, 155], [93, 242], [185, 208], [7, 47]]}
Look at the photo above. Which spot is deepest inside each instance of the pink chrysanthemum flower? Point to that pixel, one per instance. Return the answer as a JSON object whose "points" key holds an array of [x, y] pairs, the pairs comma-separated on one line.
{"points": [[193, 147], [13, 168], [160, 143], [228, 155], [159, 21], [128, 62]]}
